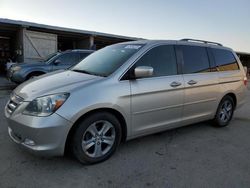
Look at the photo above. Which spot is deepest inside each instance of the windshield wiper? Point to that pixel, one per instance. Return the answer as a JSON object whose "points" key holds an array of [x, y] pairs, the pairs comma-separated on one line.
{"points": [[86, 72], [81, 71]]}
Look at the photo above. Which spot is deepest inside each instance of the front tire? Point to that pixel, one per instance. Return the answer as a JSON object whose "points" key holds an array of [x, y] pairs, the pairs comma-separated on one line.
{"points": [[96, 138], [224, 112]]}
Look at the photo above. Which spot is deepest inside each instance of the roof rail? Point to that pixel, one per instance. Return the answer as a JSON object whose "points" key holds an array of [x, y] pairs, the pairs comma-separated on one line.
{"points": [[201, 41]]}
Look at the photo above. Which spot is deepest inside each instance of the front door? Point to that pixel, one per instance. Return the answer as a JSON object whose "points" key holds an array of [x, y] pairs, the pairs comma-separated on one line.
{"points": [[156, 102]]}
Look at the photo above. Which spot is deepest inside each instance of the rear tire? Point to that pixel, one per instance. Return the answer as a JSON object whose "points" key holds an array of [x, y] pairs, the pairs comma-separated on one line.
{"points": [[224, 112], [96, 138]]}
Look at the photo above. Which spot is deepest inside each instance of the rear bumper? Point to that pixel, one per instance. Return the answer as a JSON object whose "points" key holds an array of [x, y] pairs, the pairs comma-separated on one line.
{"points": [[45, 136], [241, 97]]}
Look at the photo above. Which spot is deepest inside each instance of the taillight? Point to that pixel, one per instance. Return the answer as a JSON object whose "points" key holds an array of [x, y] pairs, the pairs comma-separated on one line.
{"points": [[245, 81]]}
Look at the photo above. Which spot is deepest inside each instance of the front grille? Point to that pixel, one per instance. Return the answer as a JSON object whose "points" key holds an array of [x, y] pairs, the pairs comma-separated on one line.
{"points": [[13, 103]]}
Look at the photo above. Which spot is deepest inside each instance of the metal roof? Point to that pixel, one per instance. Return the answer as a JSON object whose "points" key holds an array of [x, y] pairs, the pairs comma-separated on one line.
{"points": [[64, 29], [77, 31]]}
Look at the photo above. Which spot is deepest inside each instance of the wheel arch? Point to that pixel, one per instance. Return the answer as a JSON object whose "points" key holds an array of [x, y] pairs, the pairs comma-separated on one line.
{"points": [[117, 114], [34, 72], [233, 97]]}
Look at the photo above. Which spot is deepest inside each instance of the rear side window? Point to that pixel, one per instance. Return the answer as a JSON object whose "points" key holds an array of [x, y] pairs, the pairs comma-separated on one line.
{"points": [[225, 60], [83, 55], [195, 59], [69, 58], [162, 59]]}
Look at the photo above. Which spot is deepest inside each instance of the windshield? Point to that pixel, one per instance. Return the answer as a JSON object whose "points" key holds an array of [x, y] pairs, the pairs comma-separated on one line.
{"points": [[50, 56], [107, 60]]}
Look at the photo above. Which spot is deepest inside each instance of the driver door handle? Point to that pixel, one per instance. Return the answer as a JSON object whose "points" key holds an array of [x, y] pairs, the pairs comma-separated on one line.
{"points": [[192, 82]]}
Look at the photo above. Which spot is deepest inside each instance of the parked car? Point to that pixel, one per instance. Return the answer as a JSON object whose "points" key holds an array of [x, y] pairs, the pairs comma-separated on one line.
{"points": [[20, 72], [124, 91]]}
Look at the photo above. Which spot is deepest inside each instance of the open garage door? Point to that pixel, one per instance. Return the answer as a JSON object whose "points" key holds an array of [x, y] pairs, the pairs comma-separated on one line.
{"points": [[37, 45]]}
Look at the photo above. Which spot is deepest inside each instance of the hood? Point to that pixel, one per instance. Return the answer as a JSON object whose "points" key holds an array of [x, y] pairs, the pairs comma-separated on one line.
{"points": [[51, 83], [34, 63]]}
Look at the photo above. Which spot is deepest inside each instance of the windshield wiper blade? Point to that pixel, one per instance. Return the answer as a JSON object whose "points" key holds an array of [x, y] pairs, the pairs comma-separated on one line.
{"points": [[86, 72], [81, 71]]}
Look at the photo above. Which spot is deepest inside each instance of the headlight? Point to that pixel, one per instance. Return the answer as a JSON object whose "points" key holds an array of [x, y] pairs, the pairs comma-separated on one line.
{"points": [[15, 68], [45, 106]]}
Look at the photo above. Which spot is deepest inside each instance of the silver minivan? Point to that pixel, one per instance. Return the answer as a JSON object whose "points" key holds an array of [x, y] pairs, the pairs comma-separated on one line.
{"points": [[124, 91]]}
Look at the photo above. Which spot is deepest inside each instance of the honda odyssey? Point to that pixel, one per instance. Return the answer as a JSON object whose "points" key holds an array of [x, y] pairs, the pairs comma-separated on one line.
{"points": [[124, 91]]}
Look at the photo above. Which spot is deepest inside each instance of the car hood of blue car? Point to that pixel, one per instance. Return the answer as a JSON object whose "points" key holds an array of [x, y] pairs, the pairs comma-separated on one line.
{"points": [[31, 64]]}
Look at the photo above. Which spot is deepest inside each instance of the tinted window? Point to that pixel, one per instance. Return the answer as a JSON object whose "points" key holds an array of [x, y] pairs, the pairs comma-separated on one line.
{"points": [[83, 55], [195, 59], [69, 58], [213, 67], [225, 60], [50, 56], [162, 59]]}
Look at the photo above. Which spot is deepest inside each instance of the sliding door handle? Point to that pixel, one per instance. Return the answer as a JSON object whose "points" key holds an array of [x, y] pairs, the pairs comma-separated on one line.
{"points": [[192, 82], [175, 84]]}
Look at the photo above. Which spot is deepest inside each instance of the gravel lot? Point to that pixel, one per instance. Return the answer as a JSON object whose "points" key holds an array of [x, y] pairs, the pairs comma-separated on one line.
{"points": [[194, 156]]}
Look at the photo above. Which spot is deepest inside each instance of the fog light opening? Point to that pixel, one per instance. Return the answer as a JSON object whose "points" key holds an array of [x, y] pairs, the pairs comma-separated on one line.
{"points": [[29, 142]]}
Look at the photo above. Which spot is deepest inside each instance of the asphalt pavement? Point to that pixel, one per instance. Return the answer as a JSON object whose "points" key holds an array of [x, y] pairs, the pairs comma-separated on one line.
{"points": [[6, 84], [198, 155]]}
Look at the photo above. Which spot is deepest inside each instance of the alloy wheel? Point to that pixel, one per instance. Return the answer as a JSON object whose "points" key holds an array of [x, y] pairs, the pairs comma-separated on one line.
{"points": [[98, 138], [226, 111]]}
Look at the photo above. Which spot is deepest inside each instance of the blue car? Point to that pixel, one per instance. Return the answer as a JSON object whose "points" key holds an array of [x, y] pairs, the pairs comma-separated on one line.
{"points": [[21, 72]]}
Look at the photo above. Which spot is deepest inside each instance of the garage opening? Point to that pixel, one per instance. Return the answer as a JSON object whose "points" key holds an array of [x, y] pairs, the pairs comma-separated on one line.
{"points": [[101, 42], [65, 44], [245, 60], [8, 47], [70, 42]]}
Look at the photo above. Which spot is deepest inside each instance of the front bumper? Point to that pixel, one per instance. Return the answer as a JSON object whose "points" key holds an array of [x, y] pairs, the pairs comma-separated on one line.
{"points": [[15, 76], [45, 136]]}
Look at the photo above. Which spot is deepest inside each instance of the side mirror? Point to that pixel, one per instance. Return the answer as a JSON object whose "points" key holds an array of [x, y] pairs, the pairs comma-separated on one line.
{"points": [[56, 62], [143, 71]]}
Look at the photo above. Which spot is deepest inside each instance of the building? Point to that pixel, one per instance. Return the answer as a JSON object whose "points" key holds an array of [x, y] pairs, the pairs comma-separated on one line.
{"points": [[245, 59], [25, 41]]}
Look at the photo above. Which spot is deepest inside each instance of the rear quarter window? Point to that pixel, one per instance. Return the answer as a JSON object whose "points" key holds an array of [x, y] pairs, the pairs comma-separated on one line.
{"points": [[84, 55], [225, 60]]}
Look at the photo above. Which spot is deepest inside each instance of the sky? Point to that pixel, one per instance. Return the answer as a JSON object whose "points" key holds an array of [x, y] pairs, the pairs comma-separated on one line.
{"points": [[224, 21]]}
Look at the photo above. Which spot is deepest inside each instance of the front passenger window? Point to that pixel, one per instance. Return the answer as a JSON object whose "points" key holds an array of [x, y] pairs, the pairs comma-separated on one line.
{"points": [[162, 59]]}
